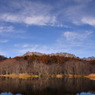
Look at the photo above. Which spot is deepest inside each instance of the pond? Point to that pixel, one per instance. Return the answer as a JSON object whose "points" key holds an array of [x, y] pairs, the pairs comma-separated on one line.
{"points": [[65, 86]]}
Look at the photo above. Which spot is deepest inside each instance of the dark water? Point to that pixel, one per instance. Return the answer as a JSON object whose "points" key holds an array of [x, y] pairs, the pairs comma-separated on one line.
{"points": [[65, 86]]}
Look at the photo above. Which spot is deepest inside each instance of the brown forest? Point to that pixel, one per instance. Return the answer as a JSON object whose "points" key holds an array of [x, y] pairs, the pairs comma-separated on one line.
{"points": [[46, 65]]}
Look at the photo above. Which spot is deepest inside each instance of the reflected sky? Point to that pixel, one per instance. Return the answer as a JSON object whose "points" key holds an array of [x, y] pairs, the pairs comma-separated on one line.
{"points": [[83, 93], [8, 94]]}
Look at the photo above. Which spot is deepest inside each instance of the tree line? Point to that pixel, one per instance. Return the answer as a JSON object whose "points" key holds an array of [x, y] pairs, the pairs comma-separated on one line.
{"points": [[46, 65]]}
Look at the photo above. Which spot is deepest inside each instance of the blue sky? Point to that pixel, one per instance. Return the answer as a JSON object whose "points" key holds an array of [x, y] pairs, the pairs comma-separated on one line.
{"points": [[47, 26]]}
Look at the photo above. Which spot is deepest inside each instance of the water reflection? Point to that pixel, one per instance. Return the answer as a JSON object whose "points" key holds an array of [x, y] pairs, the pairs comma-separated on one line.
{"points": [[8, 94], [65, 86], [83, 93]]}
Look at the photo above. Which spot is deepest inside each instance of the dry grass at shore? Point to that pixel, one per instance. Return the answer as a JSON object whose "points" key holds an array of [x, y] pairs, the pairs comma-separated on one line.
{"points": [[25, 76], [20, 76], [91, 76]]}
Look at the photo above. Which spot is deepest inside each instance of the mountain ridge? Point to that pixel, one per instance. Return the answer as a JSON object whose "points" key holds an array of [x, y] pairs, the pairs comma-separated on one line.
{"points": [[59, 54], [52, 54]]}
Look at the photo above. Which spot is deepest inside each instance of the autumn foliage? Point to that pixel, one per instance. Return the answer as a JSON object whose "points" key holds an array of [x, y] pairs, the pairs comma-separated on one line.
{"points": [[46, 65]]}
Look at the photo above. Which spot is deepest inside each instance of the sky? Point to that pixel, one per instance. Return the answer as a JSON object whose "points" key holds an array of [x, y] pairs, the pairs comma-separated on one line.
{"points": [[47, 26]]}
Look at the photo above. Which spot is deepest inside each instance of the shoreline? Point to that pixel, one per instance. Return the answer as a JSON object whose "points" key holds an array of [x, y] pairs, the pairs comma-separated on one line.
{"points": [[25, 76]]}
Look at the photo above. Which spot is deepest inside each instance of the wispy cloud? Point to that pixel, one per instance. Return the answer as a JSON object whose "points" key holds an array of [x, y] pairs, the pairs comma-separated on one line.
{"points": [[76, 12], [4, 41], [42, 14], [39, 20], [29, 20], [89, 21], [30, 13], [21, 49], [78, 43], [72, 36], [66, 42], [6, 29], [10, 31], [2, 52], [82, 1]]}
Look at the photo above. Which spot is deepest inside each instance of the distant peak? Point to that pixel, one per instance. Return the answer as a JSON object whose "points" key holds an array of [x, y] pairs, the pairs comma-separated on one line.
{"points": [[33, 53], [89, 58], [52, 54]]}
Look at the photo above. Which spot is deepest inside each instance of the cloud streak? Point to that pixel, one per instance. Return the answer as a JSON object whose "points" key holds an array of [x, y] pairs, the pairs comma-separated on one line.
{"points": [[6, 29], [30, 13], [89, 21], [42, 14], [4, 41], [67, 42], [72, 36]]}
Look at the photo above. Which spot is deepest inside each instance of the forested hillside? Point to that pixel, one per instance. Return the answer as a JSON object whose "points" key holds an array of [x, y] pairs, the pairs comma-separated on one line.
{"points": [[47, 65], [2, 58]]}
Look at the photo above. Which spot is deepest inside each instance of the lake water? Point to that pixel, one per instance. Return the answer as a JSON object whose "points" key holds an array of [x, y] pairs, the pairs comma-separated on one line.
{"points": [[65, 86]]}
